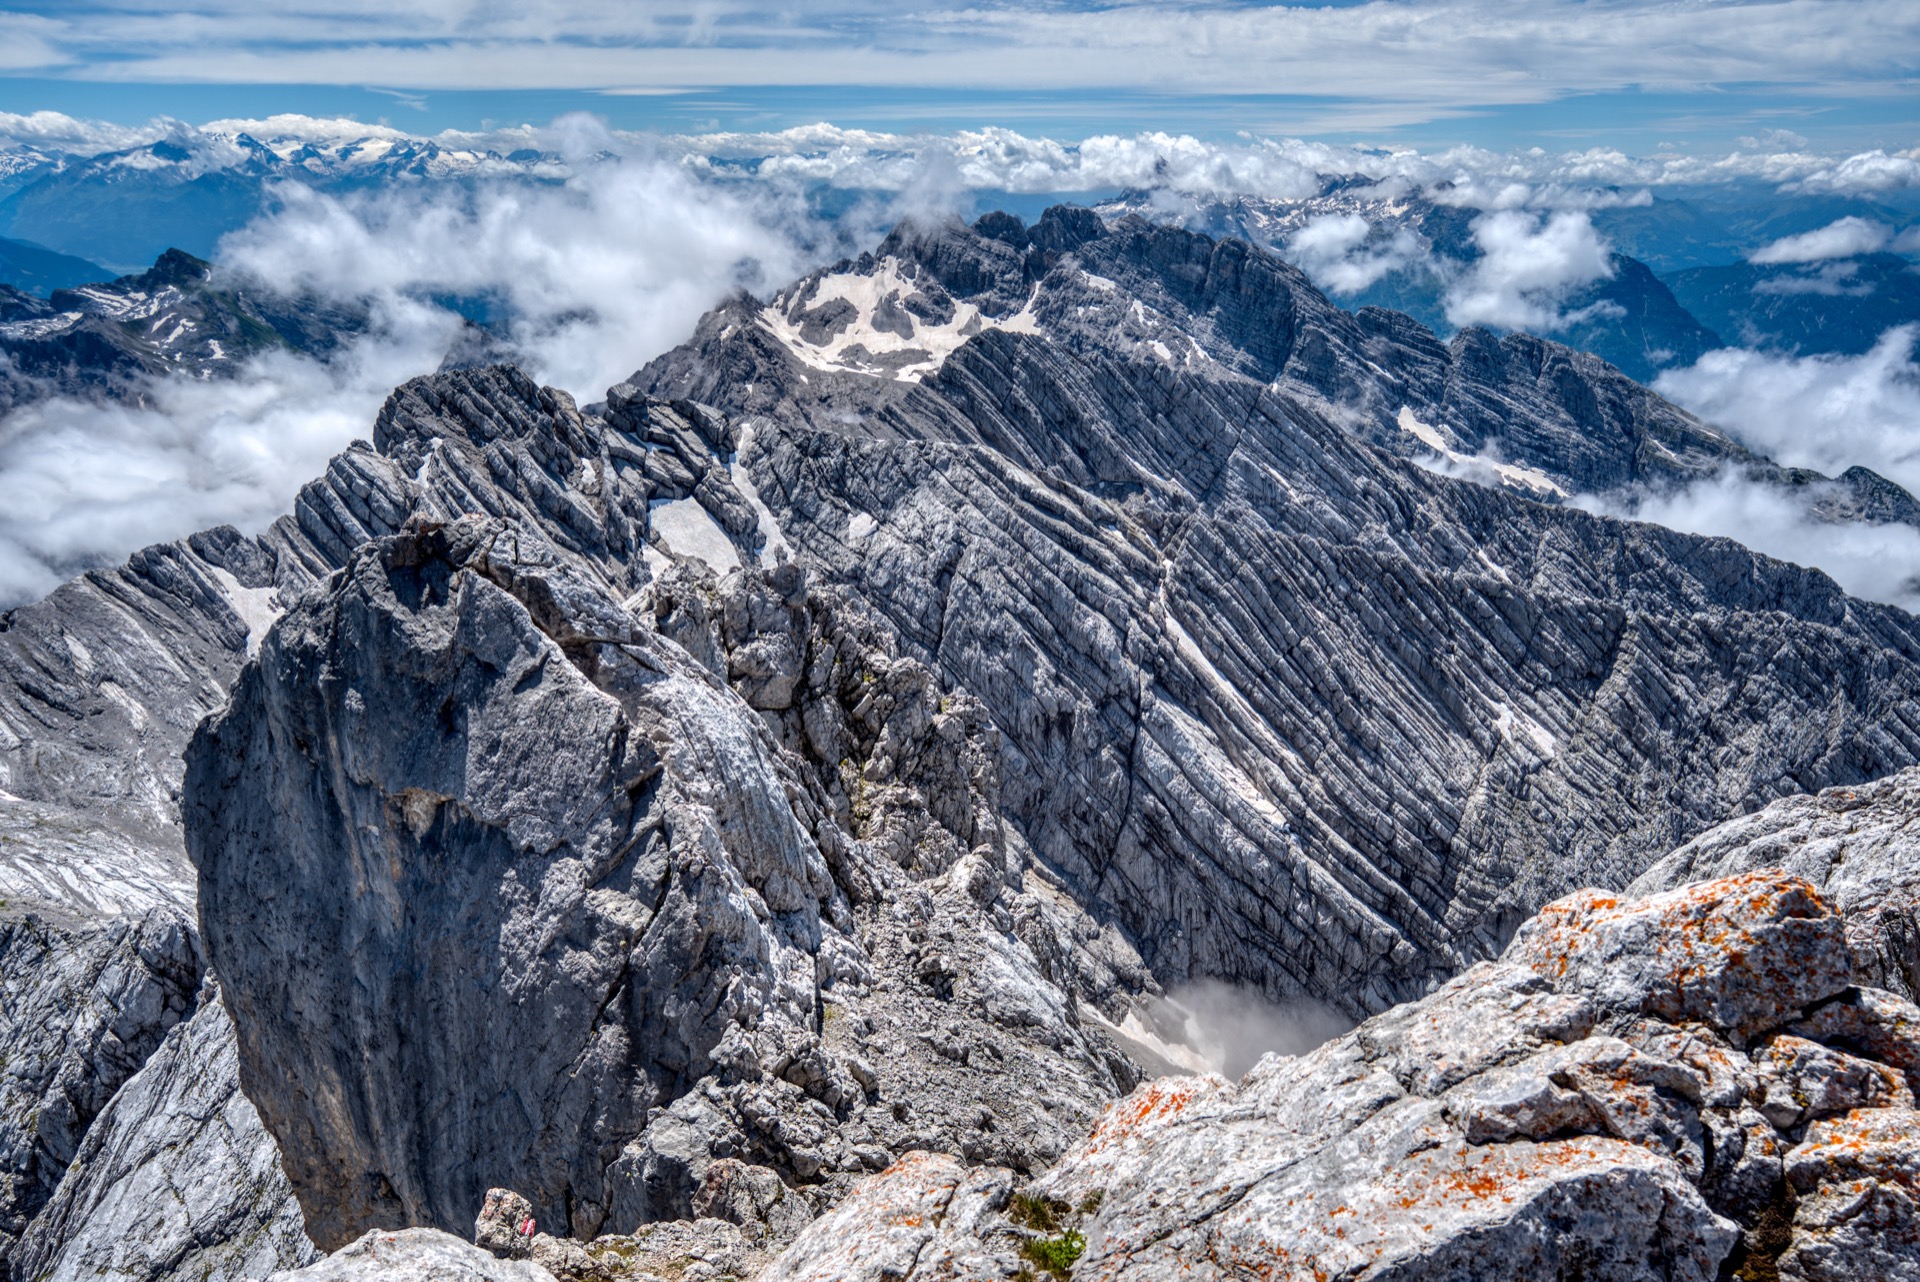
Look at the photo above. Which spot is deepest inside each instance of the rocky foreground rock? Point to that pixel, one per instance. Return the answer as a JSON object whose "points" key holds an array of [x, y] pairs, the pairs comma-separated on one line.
{"points": [[1686, 1086]]}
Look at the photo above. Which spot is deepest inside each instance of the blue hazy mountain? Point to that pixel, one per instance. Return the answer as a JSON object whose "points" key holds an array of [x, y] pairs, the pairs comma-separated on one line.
{"points": [[35, 269], [1841, 306]]}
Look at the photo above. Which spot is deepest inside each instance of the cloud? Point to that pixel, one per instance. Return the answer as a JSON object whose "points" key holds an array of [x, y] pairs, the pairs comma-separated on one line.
{"points": [[1232, 1027], [1846, 237], [1835, 280], [85, 484], [1877, 562], [1865, 173], [1428, 57], [1528, 267], [1822, 412], [590, 279], [1343, 255], [56, 131]]}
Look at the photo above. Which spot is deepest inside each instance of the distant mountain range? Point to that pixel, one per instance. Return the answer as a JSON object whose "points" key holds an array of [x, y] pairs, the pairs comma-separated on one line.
{"points": [[1679, 284]]}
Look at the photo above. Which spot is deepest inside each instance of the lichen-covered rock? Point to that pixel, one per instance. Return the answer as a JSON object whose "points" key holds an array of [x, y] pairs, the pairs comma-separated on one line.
{"points": [[1857, 1181], [1603, 1102], [176, 1178], [1860, 844]]}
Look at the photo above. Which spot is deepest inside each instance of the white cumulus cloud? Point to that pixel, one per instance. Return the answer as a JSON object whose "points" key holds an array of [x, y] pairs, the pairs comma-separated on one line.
{"points": [[1846, 237], [1823, 412], [1343, 255], [1528, 266], [1878, 562]]}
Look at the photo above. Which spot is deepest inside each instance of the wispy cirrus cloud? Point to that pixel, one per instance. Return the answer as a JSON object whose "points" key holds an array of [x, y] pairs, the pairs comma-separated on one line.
{"points": [[1431, 56]]}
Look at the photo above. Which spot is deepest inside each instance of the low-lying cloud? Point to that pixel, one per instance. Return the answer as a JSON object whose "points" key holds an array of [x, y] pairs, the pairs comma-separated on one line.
{"points": [[1823, 412], [1827, 413], [84, 484], [1528, 267], [587, 280], [1878, 562], [1344, 254], [1232, 1027], [1846, 237]]}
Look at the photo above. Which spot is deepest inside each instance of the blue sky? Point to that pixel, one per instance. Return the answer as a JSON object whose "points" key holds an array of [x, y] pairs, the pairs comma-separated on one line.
{"points": [[1559, 74]]}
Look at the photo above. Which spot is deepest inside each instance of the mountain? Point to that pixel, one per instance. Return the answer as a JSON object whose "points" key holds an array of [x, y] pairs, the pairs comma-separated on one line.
{"points": [[178, 318], [128, 206], [1628, 317], [39, 270], [842, 751], [1840, 307]]}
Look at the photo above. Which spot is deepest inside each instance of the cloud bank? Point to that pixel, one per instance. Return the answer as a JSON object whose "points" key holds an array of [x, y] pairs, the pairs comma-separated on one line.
{"points": [[1827, 413], [1878, 562], [588, 279], [84, 484], [1822, 412]]}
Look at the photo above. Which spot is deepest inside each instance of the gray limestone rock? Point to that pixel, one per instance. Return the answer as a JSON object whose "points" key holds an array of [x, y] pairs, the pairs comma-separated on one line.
{"points": [[83, 1004], [175, 1179], [504, 887], [413, 1255], [1574, 1110]]}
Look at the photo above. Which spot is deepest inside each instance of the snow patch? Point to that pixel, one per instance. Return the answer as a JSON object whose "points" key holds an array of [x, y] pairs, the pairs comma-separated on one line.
{"points": [[860, 346], [773, 541], [860, 525], [1509, 723], [258, 608], [684, 529], [1474, 467]]}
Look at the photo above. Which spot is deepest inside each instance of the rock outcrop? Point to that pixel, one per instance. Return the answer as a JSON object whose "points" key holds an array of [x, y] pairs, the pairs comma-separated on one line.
{"points": [[506, 887], [85, 1003], [1860, 844], [175, 1179], [1643, 1089]]}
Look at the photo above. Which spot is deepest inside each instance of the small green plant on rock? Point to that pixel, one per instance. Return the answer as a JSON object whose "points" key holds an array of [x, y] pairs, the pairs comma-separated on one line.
{"points": [[1059, 1241], [1055, 1254]]}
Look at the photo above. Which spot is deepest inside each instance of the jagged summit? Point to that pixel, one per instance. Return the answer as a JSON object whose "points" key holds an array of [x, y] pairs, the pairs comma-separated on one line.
{"points": [[846, 740], [1533, 415]]}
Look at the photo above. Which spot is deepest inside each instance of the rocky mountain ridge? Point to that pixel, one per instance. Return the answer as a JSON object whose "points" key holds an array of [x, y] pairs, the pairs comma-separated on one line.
{"points": [[674, 810], [178, 318]]}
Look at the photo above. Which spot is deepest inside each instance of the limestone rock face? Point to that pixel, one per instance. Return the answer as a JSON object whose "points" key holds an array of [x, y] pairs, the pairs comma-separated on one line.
{"points": [[1635, 1090], [176, 1178], [85, 1003], [1290, 712], [505, 888]]}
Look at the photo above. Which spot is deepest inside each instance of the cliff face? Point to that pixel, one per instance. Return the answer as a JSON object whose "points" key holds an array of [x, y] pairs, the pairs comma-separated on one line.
{"points": [[505, 887]]}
